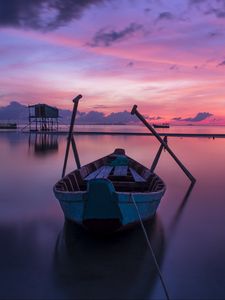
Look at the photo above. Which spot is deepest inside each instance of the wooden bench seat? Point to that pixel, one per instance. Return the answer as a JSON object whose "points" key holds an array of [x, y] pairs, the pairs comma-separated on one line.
{"points": [[93, 175], [116, 172], [120, 171], [102, 172]]}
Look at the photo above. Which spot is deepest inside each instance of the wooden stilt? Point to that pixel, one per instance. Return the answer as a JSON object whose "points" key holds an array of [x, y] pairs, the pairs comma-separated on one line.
{"points": [[155, 162], [75, 153], [75, 101], [134, 111]]}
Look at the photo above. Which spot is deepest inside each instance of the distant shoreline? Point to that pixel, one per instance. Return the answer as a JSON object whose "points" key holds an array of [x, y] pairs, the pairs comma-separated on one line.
{"points": [[169, 134]]}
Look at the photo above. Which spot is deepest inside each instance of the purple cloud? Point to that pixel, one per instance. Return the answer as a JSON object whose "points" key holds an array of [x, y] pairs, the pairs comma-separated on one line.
{"points": [[104, 38], [221, 64], [95, 117], [177, 119], [199, 117], [174, 67], [197, 1], [154, 118], [42, 14], [165, 16], [18, 112], [130, 64], [208, 7]]}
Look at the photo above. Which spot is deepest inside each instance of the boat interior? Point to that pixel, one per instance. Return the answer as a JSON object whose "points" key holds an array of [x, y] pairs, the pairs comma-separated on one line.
{"points": [[126, 174]]}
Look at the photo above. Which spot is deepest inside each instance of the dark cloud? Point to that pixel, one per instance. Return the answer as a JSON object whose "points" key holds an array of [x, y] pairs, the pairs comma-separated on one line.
{"points": [[124, 117], [104, 38], [95, 117], [174, 67], [221, 64], [197, 1], [210, 7], [18, 112], [199, 117], [147, 10], [165, 16], [219, 13], [154, 118], [91, 117], [42, 14], [214, 34], [14, 112], [130, 64]]}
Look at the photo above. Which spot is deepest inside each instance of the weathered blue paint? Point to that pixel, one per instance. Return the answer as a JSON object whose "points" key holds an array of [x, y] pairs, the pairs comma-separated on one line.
{"points": [[73, 204], [101, 201]]}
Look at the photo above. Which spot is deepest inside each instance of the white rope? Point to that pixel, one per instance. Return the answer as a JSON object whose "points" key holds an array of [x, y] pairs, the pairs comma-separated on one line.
{"points": [[151, 250]]}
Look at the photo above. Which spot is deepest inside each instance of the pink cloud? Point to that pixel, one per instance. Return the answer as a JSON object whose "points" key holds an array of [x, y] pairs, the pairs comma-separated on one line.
{"points": [[168, 65]]}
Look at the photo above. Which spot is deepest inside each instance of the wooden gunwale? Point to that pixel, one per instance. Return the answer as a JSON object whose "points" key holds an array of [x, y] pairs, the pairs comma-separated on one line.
{"points": [[146, 182]]}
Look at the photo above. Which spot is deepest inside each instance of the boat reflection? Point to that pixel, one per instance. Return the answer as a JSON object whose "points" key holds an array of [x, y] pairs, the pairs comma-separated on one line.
{"points": [[43, 143], [119, 267]]}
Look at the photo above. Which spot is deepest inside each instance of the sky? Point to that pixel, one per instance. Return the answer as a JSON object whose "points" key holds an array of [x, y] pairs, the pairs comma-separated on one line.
{"points": [[168, 57]]}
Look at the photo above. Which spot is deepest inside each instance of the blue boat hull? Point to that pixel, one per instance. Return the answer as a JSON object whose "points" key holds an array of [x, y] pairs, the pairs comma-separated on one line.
{"points": [[73, 205]]}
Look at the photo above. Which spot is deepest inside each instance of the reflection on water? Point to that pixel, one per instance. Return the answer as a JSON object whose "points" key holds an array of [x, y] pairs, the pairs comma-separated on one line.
{"points": [[35, 266], [119, 267], [43, 144], [196, 129], [180, 209]]}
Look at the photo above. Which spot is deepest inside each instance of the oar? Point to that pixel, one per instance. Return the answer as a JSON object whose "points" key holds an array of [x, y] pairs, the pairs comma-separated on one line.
{"points": [[140, 117], [75, 101]]}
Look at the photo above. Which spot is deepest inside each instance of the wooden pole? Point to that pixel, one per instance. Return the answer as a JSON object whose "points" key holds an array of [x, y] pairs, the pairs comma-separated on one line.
{"points": [[75, 101], [155, 162], [75, 153], [134, 111]]}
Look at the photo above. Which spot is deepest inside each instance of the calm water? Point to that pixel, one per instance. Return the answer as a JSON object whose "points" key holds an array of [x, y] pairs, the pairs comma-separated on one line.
{"points": [[140, 128], [43, 258]]}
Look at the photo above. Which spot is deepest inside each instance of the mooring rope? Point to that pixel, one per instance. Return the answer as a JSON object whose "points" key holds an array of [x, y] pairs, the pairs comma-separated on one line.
{"points": [[151, 250]]}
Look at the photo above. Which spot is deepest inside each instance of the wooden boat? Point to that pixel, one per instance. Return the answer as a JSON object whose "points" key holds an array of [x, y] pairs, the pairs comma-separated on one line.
{"points": [[162, 125], [100, 196], [114, 192]]}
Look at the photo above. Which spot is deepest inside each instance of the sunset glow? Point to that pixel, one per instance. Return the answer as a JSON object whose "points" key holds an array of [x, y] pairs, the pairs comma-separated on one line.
{"points": [[165, 56]]}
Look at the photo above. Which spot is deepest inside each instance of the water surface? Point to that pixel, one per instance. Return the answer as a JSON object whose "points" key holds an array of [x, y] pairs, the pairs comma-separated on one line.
{"points": [[42, 257]]}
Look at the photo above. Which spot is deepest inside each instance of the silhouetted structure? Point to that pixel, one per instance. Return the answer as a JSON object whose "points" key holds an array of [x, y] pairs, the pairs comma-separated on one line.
{"points": [[43, 117], [8, 126]]}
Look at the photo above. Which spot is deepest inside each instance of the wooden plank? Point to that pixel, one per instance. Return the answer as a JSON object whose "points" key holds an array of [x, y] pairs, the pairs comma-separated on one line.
{"points": [[136, 176], [120, 171], [104, 173], [93, 174], [124, 186]]}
